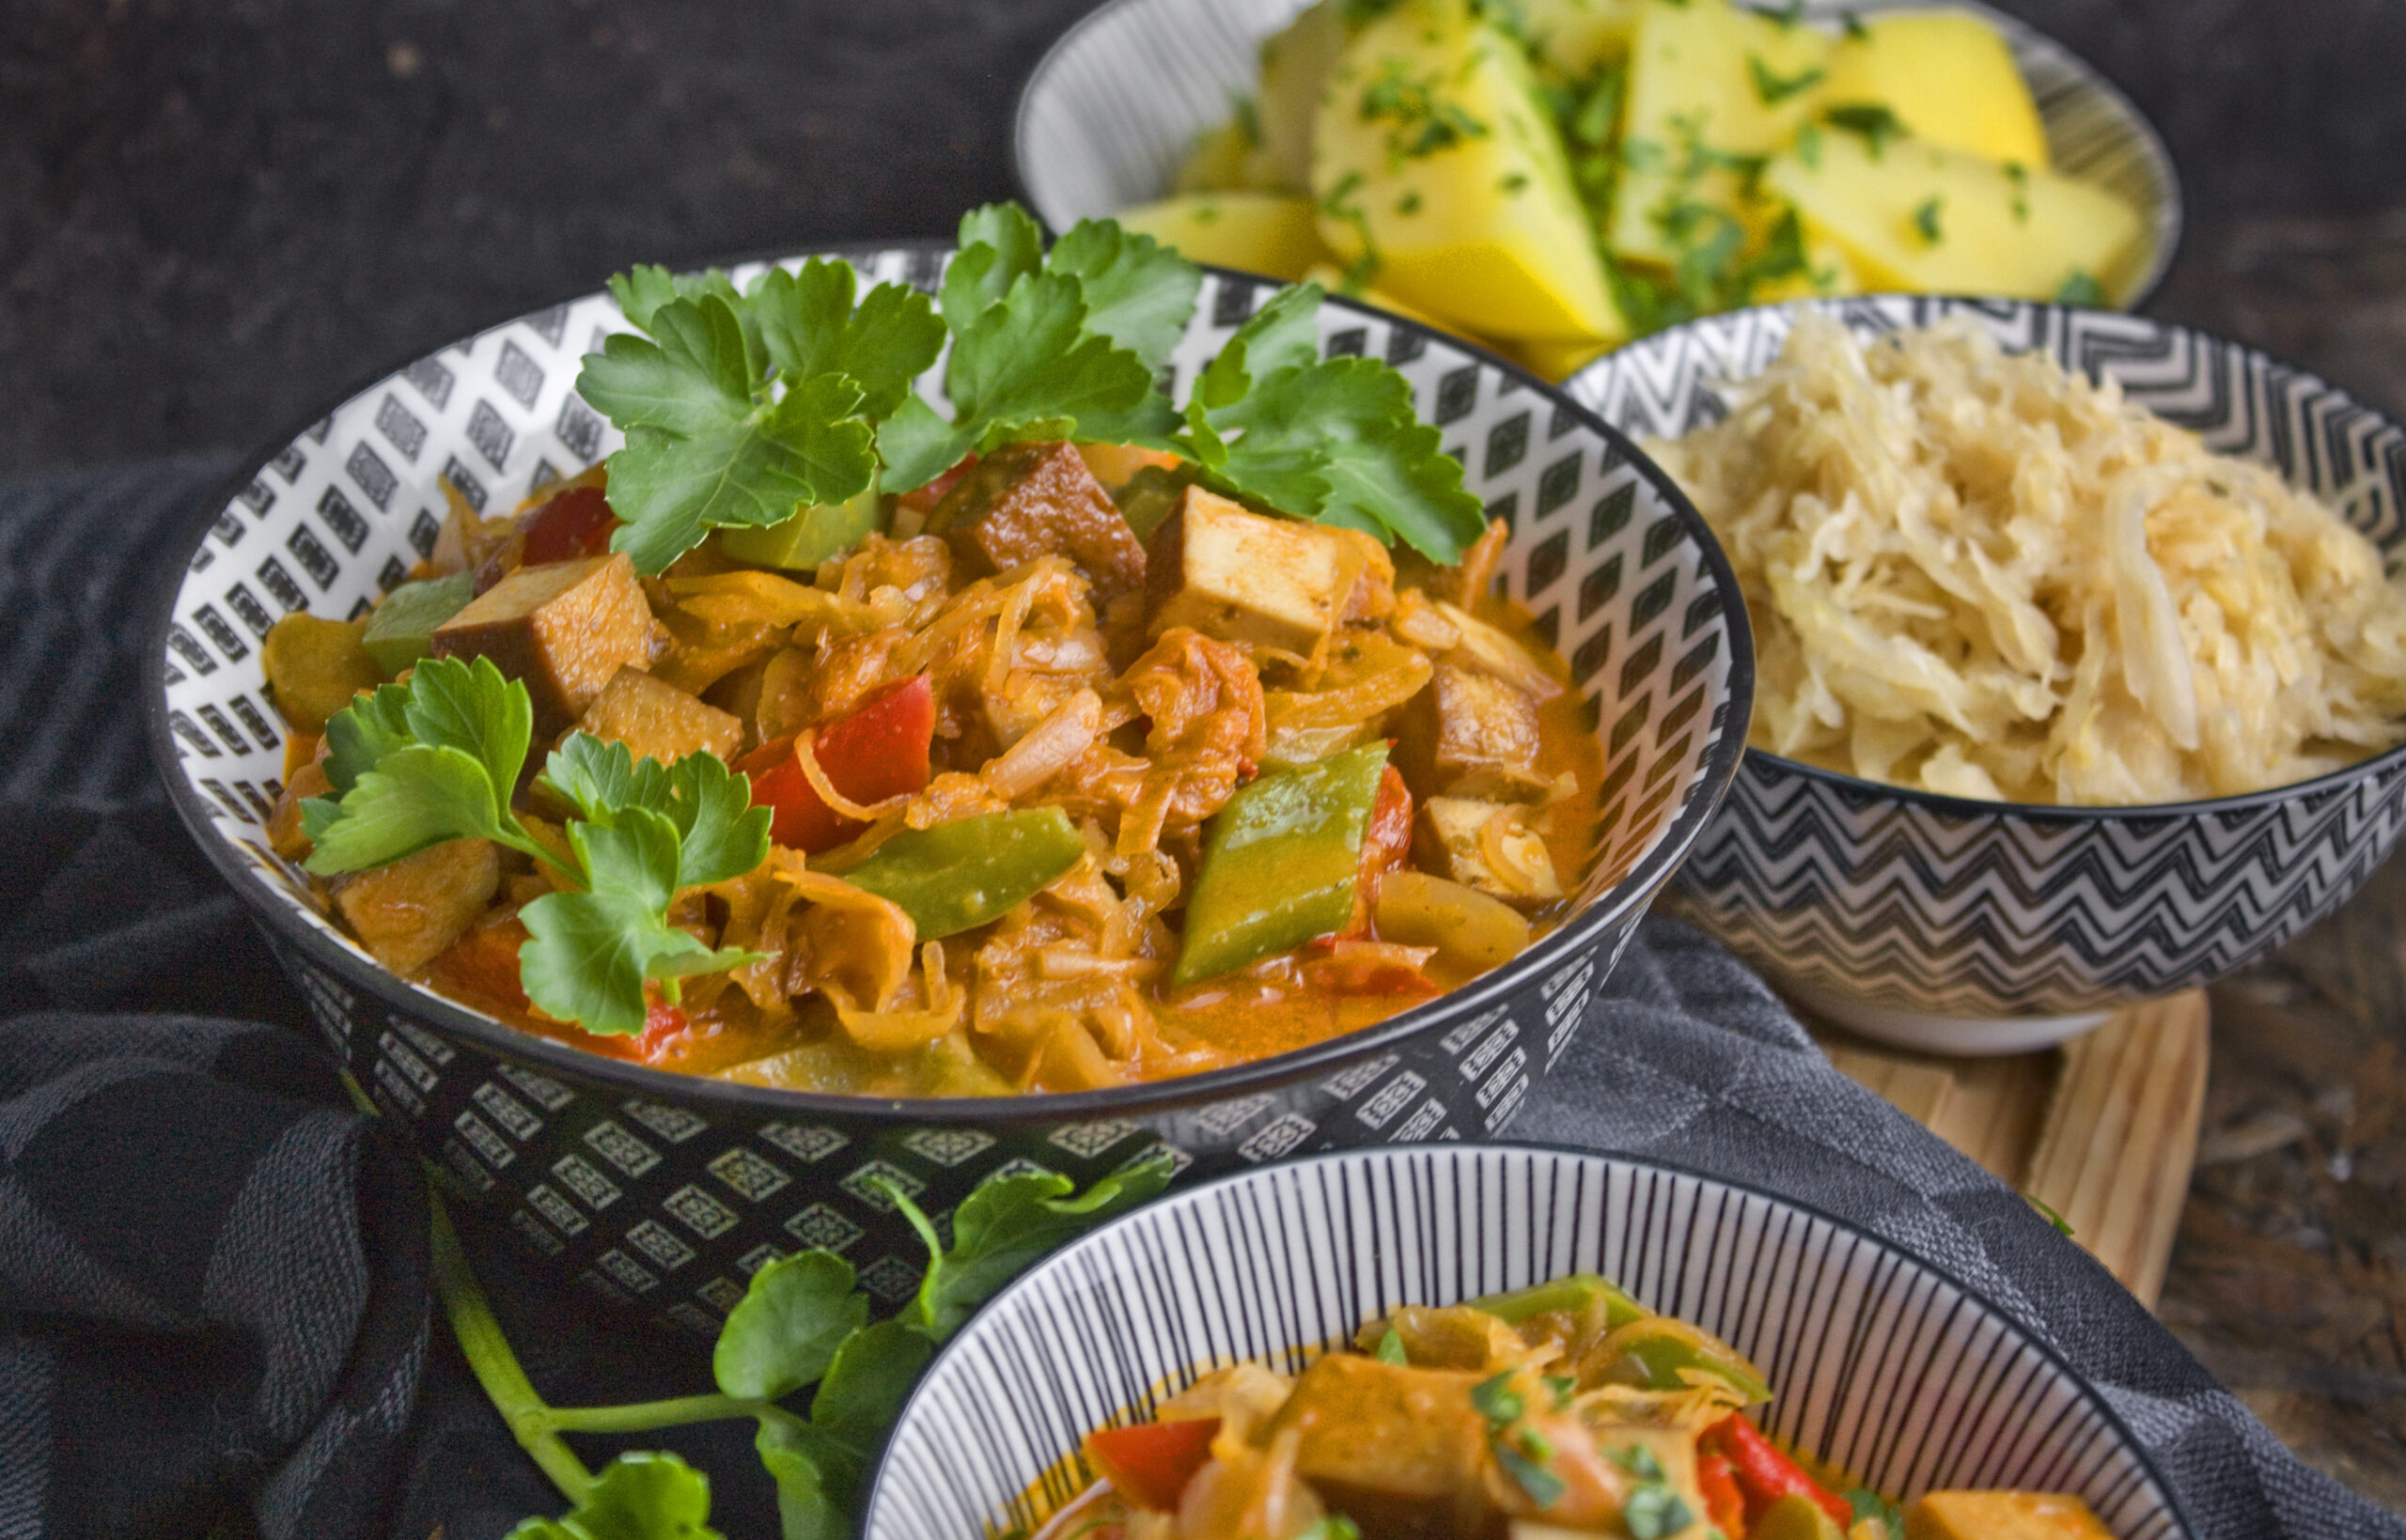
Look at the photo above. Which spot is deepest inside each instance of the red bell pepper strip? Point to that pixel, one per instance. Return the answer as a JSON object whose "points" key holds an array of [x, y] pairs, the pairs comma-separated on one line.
{"points": [[923, 499], [1724, 1505], [1764, 1475], [1150, 1463], [577, 522], [880, 750], [1386, 841]]}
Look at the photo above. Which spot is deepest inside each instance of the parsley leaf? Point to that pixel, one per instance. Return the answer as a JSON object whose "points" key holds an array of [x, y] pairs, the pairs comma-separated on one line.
{"points": [[1006, 1224], [818, 1462], [719, 835], [1026, 367], [639, 1496], [811, 327], [999, 244], [1874, 120], [784, 1332], [1139, 294], [588, 955], [1771, 89], [420, 763]]}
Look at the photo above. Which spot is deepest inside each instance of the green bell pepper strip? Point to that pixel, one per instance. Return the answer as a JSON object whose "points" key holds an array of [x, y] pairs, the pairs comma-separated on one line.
{"points": [[959, 875], [1279, 862], [815, 533], [1570, 1296], [400, 630], [1658, 1354]]}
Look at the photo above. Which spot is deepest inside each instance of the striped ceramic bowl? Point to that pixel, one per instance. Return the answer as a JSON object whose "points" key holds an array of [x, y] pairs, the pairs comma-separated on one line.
{"points": [[1885, 1368], [666, 1191], [1986, 927], [1116, 105]]}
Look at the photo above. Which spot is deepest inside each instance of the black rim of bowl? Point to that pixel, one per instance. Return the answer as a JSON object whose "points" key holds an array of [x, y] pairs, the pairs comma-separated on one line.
{"points": [[1029, 1280], [2169, 222], [1578, 935], [1859, 788]]}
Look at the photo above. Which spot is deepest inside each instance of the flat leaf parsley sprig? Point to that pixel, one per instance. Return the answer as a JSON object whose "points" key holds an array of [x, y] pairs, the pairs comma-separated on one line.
{"points": [[743, 407], [801, 1323], [437, 758]]}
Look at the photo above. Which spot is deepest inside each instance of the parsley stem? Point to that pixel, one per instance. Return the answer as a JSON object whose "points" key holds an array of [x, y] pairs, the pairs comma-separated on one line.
{"points": [[496, 1367], [518, 839], [643, 1416]]}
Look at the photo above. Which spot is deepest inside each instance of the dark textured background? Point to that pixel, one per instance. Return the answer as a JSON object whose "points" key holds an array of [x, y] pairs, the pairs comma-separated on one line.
{"points": [[216, 215]]}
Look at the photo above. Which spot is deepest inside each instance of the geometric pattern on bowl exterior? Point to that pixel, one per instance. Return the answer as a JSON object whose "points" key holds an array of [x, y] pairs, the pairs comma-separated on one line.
{"points": [[669, 1190], [1884, 1366], [1970, 909], [1112, 108]]}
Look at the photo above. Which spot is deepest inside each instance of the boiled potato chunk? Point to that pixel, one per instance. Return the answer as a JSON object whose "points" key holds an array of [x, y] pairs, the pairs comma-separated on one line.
{"points": [[1576, 36], [1706, 79], [1327, 275], [1294, 65], [1947, 77], [1222, 160], [1269, 233], [1430, 149], [1920, 216]]}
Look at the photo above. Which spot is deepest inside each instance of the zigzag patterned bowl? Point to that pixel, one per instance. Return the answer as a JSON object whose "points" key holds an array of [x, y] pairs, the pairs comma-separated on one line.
{"points": [[666, 1190], [1114, 105], [1971, 927], [1885, 1367]]}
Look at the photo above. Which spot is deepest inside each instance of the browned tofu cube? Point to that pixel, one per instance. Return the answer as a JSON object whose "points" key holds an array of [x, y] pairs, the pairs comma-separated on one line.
{"points": [[1469, 735], [1030, 500], [284, 832], [408, 913], [1240, 577], [655, 720], [1390, 1444], [564, 627], [1481, 846]]}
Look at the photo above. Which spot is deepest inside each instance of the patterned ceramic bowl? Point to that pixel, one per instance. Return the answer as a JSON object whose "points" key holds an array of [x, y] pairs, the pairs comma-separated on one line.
{"points": [[1113, 107], [1885, 1367], [667, 1190], [1980, 927]]}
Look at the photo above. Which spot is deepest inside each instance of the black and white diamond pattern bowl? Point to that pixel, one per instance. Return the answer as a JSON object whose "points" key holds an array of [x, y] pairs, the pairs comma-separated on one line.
{"points": [[1982, 927], [666, 1190], [1113, 107], [1884, 1366]]}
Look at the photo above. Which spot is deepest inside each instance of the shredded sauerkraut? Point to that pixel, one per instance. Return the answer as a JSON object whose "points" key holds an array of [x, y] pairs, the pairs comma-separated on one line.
{"points": [[1973, 573]]}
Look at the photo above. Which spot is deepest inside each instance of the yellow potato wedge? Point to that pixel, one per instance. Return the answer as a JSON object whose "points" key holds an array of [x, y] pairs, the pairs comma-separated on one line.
{"points": [[1947, 77], [1912, 215], [1429, 149], [1271, 233]]}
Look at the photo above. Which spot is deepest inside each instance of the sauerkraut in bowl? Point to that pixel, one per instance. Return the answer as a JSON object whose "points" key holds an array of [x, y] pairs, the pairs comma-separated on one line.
{"points": [[2081, 669], [1979, 574]]}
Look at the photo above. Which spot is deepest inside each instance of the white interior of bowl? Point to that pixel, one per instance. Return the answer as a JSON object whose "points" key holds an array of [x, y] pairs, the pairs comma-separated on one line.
{"points": [[338, 516], [1113, 110], [1883, 1366]]}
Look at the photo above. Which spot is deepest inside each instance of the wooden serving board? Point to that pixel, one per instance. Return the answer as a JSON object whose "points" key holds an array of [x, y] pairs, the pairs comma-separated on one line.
{"points": [[2102, 1129]]}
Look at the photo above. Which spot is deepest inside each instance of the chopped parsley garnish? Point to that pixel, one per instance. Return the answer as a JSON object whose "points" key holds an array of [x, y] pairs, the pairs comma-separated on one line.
{"points": [[1343, 203], [1248, 115], [1655, 1510], [2018, 175], [1874, 120], [1926, 219], [437, 758], [1391, 1348], [1771, 89], [1851, 26], [1423, 122], [1495, 1400], [2085, 292], [1409, 204], [1870, 1507], [1785, 17], [1808, 146], [1513, 183]]}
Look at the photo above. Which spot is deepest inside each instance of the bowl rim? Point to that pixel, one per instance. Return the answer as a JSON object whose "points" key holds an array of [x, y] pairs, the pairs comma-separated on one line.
{"points": [[1625, 901], [2169, 222], [2376, 766], [1271, 1170]]}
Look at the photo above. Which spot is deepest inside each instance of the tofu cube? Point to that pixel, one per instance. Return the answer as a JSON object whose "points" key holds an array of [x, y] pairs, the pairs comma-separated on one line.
{"points": [[563, 628], [655, 720], [409, 912], [1030, 500], [1240, 577], [1470, 734], [1453, 842], [1407, 1437]]}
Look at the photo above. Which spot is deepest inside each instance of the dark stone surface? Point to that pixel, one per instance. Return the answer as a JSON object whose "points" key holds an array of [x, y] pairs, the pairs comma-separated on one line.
{"points": [[217, 214]]}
